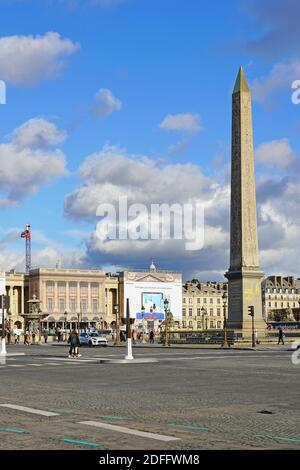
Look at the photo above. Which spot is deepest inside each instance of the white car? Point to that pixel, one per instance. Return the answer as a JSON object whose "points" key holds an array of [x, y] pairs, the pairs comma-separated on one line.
{"points": [[92, 339]]}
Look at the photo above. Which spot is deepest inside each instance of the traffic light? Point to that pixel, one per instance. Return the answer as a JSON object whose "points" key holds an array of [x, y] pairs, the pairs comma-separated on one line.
{"points": [[251, 310]]}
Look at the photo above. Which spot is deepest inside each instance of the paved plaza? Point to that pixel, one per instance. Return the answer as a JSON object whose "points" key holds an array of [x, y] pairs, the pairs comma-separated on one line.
{"points": [[190, 399]]}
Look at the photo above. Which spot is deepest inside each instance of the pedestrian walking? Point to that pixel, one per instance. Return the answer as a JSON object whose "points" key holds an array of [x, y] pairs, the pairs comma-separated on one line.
{"points": [[17, 335], [58, 334], [151, 337], [280, 335], [45, 335], [133, 337], [74, 343], [8, 336], [26, 337]]}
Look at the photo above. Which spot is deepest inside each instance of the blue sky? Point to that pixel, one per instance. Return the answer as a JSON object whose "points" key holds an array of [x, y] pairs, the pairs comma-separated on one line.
{"points": [[151, 59]]}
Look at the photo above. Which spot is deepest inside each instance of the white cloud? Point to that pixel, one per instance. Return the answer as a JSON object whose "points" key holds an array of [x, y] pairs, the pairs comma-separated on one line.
{"points": [[276, 153], [37, 132], [281, 76], [105, 103], [28, 160], [112, 173], [30, 59], [185, 122]]}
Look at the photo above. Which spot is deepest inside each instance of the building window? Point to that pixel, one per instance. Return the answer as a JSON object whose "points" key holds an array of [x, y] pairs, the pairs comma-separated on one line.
{"points": [[218, 312], [190, 312], [294, 304], [211, 324], [83, 287], [281, 304], [61, 287], [275, 304], [84, 305], [270, 304], [198, 312], [198, 300], [95, 288], [205, 300], [199, 324], [218, 300], [95, 305], [211, 301], [50, 304], [73, 287], [183, 312], [73, 305], [211, 312], [190, 301], [50, 286], [190, 324], [288, 304], [219, 324], [184, 324], [184, 300], [61, 305]]}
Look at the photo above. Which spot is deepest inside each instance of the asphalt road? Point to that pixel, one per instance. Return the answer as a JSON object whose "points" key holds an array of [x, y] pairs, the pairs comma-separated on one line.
{"points": [[206, 399]]}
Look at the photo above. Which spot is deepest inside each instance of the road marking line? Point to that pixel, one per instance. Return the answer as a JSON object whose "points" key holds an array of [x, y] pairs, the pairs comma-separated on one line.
{"points": [[28, 410], [35, 365], [11, 430], [134, 432], [113, 417], [84, 443], [15, 365], [273, 438]]}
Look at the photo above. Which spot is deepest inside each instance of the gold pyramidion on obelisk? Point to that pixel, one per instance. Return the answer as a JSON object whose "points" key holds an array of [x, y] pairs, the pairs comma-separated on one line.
{"points": [[244, 274]]}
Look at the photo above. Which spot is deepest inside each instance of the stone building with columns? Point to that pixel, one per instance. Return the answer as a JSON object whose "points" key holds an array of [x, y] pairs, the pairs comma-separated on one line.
{"points": [[16, 286], [281, 298], [67, 296], [202, 305]]}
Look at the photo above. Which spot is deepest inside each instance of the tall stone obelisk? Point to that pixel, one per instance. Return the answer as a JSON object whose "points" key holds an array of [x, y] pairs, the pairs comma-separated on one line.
{"points": [[244, 275]]}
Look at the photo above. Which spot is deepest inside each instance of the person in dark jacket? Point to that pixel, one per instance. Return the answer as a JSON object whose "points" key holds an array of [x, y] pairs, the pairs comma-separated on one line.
{"points": [[74, 343], [280, 335]]}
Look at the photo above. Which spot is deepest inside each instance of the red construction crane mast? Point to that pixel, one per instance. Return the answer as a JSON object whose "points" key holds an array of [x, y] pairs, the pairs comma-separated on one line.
{"points": [[27, 235]]}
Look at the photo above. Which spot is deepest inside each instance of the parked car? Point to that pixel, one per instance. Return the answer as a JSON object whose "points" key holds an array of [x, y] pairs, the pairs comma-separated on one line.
{"points": [[92, 339]]}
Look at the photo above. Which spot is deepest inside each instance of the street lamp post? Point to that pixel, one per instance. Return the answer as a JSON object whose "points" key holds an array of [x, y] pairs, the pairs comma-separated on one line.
{"points": [[117, 338], [78, 317], [166, 305], [40, 324], [65, 328], [225, 343], [143, 325]]}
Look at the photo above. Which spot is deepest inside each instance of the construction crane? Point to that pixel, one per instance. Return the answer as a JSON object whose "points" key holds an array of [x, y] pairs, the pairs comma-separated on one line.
{"points": [[27, 235]]}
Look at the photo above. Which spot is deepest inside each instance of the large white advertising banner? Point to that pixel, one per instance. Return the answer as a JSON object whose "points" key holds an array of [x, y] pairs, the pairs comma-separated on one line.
{"points": [[147, 299]]}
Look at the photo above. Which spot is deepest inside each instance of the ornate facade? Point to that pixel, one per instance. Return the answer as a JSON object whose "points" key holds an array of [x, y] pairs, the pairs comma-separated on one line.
{"points": [[67, 296]]}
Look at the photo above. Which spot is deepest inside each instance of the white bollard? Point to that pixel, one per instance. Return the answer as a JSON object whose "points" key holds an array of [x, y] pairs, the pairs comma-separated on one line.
{"points": [[129, 349], [3, 347]]}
